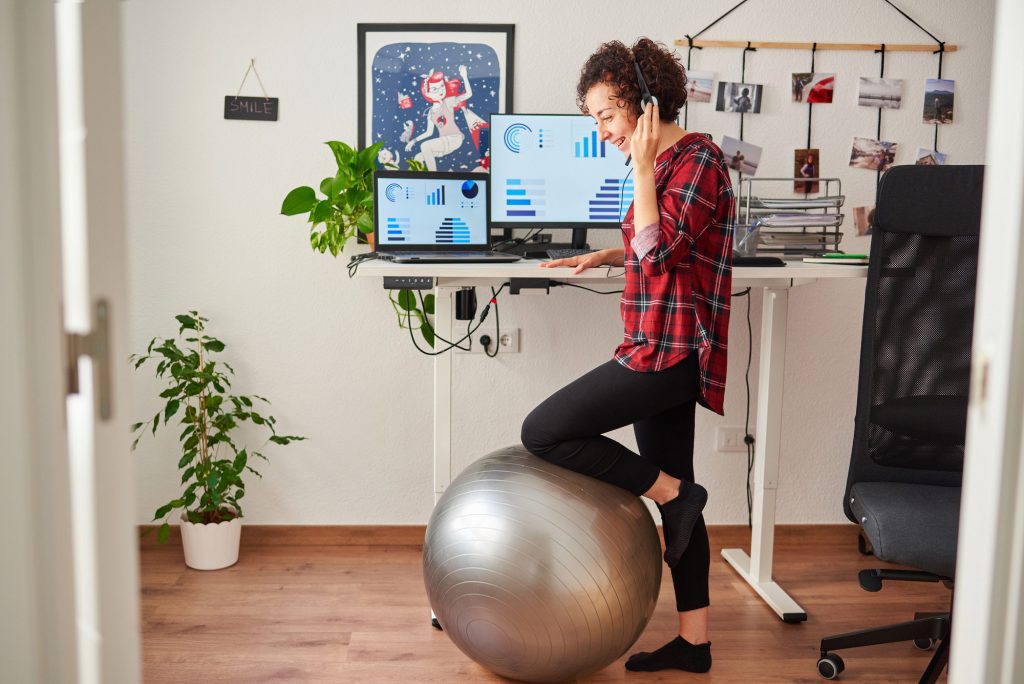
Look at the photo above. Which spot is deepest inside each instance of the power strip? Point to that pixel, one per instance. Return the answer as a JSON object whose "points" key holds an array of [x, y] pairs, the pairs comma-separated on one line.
{"points": [[408, 283]]}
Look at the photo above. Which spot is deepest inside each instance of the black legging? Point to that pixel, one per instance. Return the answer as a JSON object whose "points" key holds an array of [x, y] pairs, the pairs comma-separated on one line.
{"points": [[567, 429]]}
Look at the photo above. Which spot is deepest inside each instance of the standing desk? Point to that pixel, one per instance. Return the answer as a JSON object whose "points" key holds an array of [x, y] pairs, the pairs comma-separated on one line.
{"points": [[755, 569]]}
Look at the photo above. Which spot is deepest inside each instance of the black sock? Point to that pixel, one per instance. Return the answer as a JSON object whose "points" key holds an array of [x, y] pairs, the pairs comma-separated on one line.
{"points": [[678, 517], [677, 654]]}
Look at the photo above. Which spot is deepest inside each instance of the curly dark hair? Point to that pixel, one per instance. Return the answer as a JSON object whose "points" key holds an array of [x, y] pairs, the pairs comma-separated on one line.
{"points": [[613, 64]]}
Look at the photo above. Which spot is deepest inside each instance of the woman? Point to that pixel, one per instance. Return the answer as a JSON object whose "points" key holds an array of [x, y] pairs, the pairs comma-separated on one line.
{"points": [[677, 246]]}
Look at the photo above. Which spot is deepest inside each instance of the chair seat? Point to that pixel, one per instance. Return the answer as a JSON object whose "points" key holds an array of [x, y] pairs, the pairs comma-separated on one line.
{"points": [[910, 524]]}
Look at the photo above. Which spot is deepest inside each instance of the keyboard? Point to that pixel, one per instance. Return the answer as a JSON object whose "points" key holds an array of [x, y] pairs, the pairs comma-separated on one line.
{"points": [[566, 253]]}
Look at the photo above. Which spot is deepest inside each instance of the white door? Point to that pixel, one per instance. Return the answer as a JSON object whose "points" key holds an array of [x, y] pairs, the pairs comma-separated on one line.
{"points": [[69, 584], [988, 613]]}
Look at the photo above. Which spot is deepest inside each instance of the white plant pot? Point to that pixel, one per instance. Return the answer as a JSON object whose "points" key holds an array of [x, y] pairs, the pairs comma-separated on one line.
{"points": [[213, 546]]}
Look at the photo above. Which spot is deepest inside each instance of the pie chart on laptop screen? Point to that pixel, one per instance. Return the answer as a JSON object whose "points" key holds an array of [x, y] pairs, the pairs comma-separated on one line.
{"points": [[470, 189]]}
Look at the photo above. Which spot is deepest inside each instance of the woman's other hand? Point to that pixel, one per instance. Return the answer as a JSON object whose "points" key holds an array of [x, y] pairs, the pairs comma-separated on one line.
{"points": [[605, 257]]}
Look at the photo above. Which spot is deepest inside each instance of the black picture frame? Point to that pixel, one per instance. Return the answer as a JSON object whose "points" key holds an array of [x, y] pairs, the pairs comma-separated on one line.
{"points": [[398, 94]]}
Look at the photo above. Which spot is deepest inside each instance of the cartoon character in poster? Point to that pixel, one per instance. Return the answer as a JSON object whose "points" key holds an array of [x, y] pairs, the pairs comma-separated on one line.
{"points": [[447, 130], [441, 118]]}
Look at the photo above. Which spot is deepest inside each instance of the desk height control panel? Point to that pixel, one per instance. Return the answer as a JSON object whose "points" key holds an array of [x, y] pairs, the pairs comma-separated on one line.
{"points": [[408, 283]]}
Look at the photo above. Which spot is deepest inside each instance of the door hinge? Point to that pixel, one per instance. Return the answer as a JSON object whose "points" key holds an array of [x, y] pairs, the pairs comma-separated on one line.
{"points": [[95, 345]]}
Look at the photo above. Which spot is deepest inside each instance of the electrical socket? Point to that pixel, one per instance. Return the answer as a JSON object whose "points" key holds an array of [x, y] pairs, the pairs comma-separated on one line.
{"points": [[729, 439], [508, 343]]}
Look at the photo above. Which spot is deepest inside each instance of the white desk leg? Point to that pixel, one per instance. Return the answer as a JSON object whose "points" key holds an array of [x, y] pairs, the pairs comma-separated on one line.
{"points": [[443, 314], [756, 569], [442, 392]]}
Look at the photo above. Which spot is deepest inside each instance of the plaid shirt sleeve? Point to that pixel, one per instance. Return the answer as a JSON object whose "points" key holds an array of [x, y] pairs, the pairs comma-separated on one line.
{"points": [[679, 270]]}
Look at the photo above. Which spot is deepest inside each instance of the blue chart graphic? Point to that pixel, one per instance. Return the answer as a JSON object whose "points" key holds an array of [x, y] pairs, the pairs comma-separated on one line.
{"points": [[391, 192], [607, 200], [436, 198], [470, 189], [524, 197], [398, 229], [453, 231], [589, 146], [512, 134]]}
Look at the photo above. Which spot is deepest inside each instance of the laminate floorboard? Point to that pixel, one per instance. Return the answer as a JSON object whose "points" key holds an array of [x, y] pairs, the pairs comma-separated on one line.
{"points": [[347, 604]]}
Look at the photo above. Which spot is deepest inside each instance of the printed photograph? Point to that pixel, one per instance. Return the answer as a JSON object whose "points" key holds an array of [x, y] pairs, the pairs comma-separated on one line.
{"points": [[805, 166], [742, 98], [926, 157], [877, 155], [885, 93], [938, 101], [698, 85], [741, 156], [863, 219], [813, 88]]}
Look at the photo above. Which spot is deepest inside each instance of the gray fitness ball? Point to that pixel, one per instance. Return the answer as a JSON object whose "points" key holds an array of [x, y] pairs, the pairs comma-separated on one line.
{"points": [[539, 573]]}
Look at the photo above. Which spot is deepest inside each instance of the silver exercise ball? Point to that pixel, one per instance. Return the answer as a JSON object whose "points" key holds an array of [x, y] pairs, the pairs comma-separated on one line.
{"points": [[539, 573]]}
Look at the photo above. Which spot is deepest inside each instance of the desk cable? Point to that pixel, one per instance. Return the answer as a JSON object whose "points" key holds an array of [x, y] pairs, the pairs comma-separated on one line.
{"points": [[353, 263], [469, 332], [748, 439]]}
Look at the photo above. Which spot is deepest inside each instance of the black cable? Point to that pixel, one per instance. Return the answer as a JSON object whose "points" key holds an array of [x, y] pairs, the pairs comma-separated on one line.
{"points": [[878, 132], [483, 315], [515, 242], [497, 324], [433, 330], [717, 20], [748, 439], [554, 283], [911, 20], [810, 109], [743, 79], [689, 53], [353, 263]]}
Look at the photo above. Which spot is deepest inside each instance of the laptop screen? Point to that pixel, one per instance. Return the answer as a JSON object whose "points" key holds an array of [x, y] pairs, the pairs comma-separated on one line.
{"points": [[430, 211]]}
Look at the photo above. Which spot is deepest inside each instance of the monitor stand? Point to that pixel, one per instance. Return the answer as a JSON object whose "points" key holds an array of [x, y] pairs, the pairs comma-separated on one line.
{"points": [[535, 250]]}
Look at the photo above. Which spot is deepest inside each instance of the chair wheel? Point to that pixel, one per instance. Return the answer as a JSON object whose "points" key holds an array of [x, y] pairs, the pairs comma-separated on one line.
{"points": [[830, 665], [863, 546], [925, 643]]}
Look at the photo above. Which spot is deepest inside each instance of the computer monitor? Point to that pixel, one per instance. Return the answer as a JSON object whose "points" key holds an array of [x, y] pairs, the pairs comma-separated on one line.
{"points": [[551, 171]]}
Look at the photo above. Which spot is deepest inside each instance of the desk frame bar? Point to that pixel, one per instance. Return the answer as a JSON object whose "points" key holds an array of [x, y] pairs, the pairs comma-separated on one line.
{"points": [[756, 569]]}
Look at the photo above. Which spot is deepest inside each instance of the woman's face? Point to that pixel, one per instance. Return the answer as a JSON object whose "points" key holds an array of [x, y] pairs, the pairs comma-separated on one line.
{"points": [[615, 119]]}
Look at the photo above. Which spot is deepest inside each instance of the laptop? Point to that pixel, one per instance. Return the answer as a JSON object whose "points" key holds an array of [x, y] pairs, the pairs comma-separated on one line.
{"points": [[425, 217]]}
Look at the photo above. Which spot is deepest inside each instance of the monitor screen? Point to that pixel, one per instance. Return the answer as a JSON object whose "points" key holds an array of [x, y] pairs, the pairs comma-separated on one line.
{"points": [[427, 209], [550, 170]]}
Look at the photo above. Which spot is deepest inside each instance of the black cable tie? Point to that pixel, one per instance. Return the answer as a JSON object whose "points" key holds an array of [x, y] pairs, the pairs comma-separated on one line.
{"points": [[689, 42], [814, 47], [942, 48], [881, 48], [752, 49]]}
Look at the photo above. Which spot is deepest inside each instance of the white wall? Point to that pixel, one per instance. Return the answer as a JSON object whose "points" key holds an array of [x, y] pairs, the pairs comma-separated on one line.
{"points": [[204, 196]]}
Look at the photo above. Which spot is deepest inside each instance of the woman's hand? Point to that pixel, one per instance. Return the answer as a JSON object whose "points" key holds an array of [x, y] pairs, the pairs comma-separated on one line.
{"points": [[643, 145], [606, 257]]}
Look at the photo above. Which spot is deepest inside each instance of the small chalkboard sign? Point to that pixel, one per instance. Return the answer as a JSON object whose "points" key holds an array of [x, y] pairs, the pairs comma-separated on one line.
{"points": [[250, 108]]}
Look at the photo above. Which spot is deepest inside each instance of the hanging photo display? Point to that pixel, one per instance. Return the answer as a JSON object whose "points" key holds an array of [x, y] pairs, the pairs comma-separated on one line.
{"points": [[698, 85], [877, 155], [741, 156], [863, 219], [938, 101], [741, 98], [805, 166], [884, 93], [926, 157], [813, 88]]}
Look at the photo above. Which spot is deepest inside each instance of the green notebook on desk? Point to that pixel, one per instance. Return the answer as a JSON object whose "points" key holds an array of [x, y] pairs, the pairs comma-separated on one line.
{"points": [[860, 259]]}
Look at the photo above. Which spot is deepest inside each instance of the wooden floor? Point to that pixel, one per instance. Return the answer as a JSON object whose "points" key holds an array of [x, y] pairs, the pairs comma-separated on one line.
{"points": [[339, 605]]}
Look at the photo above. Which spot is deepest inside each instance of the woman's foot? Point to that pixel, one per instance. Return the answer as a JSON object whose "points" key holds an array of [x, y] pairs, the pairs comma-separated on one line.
{"points": [[678, 517], [678, 654]]}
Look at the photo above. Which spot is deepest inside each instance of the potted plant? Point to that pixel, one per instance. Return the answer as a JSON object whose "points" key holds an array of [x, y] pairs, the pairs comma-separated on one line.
{"points": [[346, 210], [211, 460]]}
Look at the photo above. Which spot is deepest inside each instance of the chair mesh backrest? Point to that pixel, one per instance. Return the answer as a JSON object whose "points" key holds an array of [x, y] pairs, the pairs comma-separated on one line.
{"points": [[918, 321]]}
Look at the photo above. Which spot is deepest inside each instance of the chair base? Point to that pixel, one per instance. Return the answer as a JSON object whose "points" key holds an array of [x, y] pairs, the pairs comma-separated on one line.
{"points": [[931, 627]]}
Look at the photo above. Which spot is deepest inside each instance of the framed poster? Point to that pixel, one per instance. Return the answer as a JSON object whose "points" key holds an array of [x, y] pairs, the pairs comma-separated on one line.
{"points": [[426, 91]]}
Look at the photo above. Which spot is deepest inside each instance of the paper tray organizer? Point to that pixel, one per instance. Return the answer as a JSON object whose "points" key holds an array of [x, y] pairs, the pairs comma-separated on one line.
{"points": [[791, 227]]}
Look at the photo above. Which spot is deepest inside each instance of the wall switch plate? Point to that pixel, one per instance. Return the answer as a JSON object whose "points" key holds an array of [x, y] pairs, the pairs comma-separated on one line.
{"points": [[729, 439], [508, 343]]}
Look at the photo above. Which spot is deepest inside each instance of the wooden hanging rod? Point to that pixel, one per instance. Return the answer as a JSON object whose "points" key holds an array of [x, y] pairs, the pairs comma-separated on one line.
{"points": [[932, 47]]}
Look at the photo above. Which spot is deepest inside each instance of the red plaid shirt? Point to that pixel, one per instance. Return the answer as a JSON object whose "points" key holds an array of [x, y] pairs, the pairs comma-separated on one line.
{"points": [[679, 272]]}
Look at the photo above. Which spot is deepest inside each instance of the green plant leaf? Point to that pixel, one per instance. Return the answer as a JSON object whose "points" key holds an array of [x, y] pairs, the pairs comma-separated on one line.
{"points": [[322, 211], [299, 201], [406, 300], [163, 534], [428, 334], [188, 456], [428, 304], [187, 322], [365, 223], [215, 345], [171, 409], [240, 460], [187, 475], [136, 426], [343, 154]]}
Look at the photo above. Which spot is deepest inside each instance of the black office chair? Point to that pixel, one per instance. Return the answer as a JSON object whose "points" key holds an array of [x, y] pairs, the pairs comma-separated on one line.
{"points": [[903, 487]]}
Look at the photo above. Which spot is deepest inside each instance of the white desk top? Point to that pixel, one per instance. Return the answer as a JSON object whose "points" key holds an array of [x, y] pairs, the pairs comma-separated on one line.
{"points": [[454, 275]]}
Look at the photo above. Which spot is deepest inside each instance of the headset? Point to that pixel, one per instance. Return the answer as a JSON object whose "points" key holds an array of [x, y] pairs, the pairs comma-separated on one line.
{"points": [[645, 96]]}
